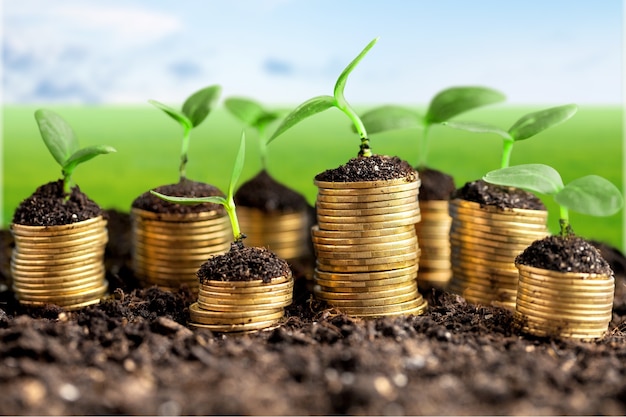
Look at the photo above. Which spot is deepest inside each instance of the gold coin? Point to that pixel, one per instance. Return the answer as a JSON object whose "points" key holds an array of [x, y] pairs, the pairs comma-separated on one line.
{"points": [[58, 278], [476, 206], [361, 241], [568, 285], [507, 238], [173, 270], [486, 254], [174, 217], [581, 317], [471, 228], [234, 328], [373, 302], [411, 256], [368, 311], [353, 234], [56, 291], [363, 286], [370, 218], [349, 212], [374, 292], [564, 309], [434, 276], [501, 224], [237, 321], [540, 217], [217, 317], [94, 233], [242, 307], [51, 248], [471, 242], [534, 291], [208, 297], [71, 298], [417, 311], [320, 204], [468, 261], [243, 211], [42, 259], [367, 184], [248, 284], [185, 232], [531, 271], [409, 221], [562, 324], [410, 241], [57, 230], [435, 206], [195, 308], [265, 288], [366, 198], [365, 268], [410, 270], [282, 293]]}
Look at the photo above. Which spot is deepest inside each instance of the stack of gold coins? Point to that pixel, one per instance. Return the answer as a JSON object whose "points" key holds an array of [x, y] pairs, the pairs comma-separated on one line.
{"points": [[433, 232], [168, 249], [285, 234], [241, 306], [566, 304], [60, 265], [485, 241], [366, 247]]}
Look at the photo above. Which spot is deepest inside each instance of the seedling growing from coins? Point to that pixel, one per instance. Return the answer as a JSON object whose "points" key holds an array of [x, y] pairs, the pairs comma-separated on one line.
{"points": [[526, 127], [195, 109], [444, 106], [320, 103], [592, 195], [253, 115], [62, 143], [228, 202]]}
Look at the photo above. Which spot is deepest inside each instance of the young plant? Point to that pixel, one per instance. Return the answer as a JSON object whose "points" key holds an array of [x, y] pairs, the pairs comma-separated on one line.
{"points": [[228, 202], [195, 109], [320, 103], [62, 143], [592, 194], [524, 128], [253, 115], [445, 105]]}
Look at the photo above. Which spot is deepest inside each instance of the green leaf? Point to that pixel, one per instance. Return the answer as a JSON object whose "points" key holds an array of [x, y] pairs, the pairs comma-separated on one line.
{"points": [[592, 195], [198, 106], [248, 111], [476, 127], [385, 118], [456, 100], [537, 178], [174, 114], [216, 199], [238, 166], [533, 123], [308, 108], [343, 77], [57, 134], [85, 154]]}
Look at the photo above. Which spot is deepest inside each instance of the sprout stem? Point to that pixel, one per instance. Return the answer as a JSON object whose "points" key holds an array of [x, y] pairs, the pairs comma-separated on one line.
{"points": [[183, 152], [507, 148], [566, 228], [234, 221], [365, 149]]}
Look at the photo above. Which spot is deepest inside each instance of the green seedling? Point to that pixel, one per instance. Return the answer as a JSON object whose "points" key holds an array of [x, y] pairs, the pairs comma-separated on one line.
{"points": [[591, 195], [228, 202], [444, 106], [320, 103], [195, 109], [253, 115], [62, 143], [526, 127]]}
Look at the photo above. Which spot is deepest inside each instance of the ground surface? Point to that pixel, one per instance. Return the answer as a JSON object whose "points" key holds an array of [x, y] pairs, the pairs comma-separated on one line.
{"points": [[133, 354]]}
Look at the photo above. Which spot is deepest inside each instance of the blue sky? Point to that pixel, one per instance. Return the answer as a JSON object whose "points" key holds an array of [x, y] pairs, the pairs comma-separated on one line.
{"points": [[286, 51]]}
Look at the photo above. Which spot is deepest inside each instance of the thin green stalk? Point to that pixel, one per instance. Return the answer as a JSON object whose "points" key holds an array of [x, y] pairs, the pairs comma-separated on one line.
{"points": [[365, 149], [67, 186], [184, 151], [234, 221], [566, 229], [506, 153]]}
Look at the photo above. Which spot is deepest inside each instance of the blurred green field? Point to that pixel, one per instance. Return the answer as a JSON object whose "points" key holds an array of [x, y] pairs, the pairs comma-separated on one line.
{"points": [[148, 145]]}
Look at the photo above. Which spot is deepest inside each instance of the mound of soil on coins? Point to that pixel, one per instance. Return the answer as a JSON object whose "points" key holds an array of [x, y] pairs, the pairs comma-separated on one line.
{"points": [[243, 263], [49, 206], [502, 197], [564, 254], [184, 188], [263, 192], [133, 354], [435, 185], [373, 168]]}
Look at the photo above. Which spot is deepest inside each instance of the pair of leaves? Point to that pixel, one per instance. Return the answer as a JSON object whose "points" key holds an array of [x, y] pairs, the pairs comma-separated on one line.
{"points": [[62, 142], [195, 109], [321, 103], [445, 105], [592, 194], [250, 112], [526, 127]]}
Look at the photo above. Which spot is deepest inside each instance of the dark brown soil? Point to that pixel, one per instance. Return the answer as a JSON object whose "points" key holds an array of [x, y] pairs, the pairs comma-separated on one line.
{"points": [[495, 195], [436, 185], [564, 254], [373, 168], [263, 192], [133, 354], [49, 206], [184, 188], [243, 263]]}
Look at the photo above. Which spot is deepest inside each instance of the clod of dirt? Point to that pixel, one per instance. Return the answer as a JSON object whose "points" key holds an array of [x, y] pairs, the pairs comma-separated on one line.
{"points": [[495, 195], [243, 263], [436, 185], [373, 168], [48, 206], [263, 192], [184, 188], [565, 254]]}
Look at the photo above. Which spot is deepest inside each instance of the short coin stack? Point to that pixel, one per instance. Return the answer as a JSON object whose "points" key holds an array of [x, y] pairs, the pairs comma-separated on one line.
{"points": [[433, 232], [565, 304], [241, 306], [60, 265], [168, 249], [285, 234], [366, 247], [485, 241]]}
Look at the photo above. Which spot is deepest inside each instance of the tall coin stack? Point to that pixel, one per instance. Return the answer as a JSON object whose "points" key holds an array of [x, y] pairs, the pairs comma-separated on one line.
{"points": [[168, 249], [60, 265], [566, 304], [433, 232], [366, 247], [241, 306], [485, 241], [285, 234]]}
